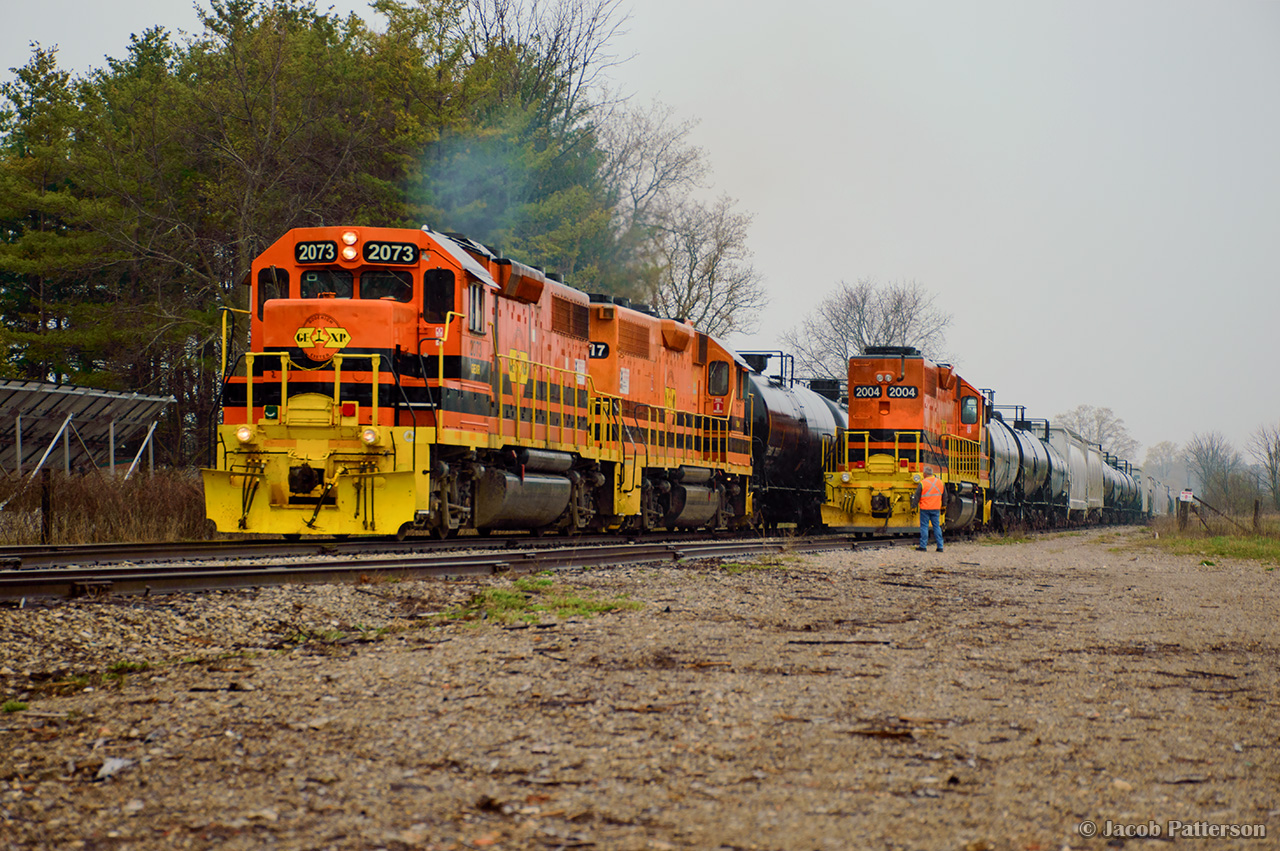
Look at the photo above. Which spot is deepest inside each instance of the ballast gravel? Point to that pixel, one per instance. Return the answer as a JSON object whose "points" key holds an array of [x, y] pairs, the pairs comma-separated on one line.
{"points": [[985, 698]]}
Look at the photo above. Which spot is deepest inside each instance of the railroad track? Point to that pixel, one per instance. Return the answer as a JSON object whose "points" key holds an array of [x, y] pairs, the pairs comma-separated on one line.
{"points": [[22, 583]]}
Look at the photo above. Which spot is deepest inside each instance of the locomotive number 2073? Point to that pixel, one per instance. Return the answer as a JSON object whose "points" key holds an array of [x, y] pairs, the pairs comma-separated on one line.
{"points": [[315, 252], [391, 252]]}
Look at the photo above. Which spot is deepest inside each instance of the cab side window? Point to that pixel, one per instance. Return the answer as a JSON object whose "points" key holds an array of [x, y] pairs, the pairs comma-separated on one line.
{"points": [[273, 282], [475, 308], [718, 378], [437, 295], [969, 410]]}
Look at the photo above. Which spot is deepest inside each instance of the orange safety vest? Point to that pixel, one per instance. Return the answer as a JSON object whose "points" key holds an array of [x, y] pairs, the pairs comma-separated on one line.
{"points": [[931, 493]]}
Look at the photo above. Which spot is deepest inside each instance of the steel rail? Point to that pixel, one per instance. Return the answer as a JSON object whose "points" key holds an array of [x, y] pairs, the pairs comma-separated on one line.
{"points": [[35, 583], [49, 555]]}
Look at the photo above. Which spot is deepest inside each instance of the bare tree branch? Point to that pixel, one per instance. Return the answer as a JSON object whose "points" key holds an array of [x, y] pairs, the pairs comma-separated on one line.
{"points": [[1215, 463], [855, 316], [1264, 446], [703, 267]]}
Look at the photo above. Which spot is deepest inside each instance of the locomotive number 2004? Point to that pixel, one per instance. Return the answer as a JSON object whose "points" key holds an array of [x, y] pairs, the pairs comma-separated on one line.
{"points": [[892, 391]]}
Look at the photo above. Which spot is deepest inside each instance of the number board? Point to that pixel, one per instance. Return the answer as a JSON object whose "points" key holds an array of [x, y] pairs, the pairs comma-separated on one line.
{"points": [[596, 351], [891, 391], [402, 253], [316, 252]]}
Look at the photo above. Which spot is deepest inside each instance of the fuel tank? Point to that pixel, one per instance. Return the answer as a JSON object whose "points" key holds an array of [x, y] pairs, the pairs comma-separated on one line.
{"points": [[507, 501]]}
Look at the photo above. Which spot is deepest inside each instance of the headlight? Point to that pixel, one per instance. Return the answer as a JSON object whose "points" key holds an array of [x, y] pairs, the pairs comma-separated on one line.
{"points": [[349, 238], [245, 434], [844, 477], [370, 437]]}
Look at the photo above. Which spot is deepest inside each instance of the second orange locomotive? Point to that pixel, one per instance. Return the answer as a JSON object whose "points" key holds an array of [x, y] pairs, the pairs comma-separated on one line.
{"points": [[905, 411]]}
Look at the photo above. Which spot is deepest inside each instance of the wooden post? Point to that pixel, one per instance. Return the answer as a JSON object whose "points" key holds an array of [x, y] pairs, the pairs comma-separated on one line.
{"points": [[46, 506], [1257, 520], [1184, 515]]}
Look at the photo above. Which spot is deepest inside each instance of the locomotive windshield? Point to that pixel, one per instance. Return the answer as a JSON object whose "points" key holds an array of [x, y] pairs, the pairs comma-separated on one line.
{"points": [[336, 281], [969, 410], [384, 283]]}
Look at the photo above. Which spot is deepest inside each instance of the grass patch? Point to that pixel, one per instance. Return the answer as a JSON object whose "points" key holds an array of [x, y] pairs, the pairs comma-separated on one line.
{"points": [[530, 598], [1005, 540], [1251, 547], [12, 706], [735, 567], [128, 667], [1219, 540]]}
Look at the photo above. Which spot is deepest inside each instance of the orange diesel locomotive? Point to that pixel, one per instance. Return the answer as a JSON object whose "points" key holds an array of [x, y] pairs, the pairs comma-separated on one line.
{"points": [[905, 411], [400, 378]]}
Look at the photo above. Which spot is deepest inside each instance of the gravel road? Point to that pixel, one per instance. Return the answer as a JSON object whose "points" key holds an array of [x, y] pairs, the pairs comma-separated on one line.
{"points": [[990, 697]]}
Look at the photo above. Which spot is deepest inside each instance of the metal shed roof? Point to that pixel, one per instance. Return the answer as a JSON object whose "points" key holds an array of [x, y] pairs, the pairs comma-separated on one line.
{"points": [[96, 416]]}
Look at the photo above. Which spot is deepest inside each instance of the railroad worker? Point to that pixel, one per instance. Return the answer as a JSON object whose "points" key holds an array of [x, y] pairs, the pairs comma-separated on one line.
{"points": [[928, 496]]}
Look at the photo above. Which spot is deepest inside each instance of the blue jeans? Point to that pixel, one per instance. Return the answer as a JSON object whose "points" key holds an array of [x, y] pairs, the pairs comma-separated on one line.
{"points": [[930, 517]]}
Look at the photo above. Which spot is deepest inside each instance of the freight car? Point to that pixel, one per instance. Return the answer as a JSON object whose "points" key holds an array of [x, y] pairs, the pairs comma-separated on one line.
{"points": [[795, 430], [400, 379], [905, 412]]}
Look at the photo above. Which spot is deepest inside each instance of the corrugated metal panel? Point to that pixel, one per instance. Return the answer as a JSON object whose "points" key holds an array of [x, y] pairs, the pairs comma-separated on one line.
{"points": [[45, 407]]}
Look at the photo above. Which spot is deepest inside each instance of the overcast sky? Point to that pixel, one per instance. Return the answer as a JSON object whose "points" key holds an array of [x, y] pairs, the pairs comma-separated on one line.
{"points": [[1091, 188]]}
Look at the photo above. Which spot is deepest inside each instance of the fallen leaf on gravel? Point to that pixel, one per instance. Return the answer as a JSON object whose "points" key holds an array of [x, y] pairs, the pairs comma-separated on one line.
{"points": [[113, 765], [1188, 778], [883, 734]]}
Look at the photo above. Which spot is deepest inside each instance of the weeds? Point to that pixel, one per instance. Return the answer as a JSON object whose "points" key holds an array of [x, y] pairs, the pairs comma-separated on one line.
{"points": [[1004, 540], [12, 706], [1212, 540], [531, 597], [736, 567], [98, 508], [120, 670]]}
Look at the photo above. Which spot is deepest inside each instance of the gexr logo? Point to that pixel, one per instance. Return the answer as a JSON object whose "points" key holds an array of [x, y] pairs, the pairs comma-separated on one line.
{"points": [[321, 337]]}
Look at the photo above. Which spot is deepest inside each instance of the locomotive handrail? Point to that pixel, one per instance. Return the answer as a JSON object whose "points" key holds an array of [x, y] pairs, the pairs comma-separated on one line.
{"points": [[224, 311], [964, 459], [522, 372], [286, 364]]}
